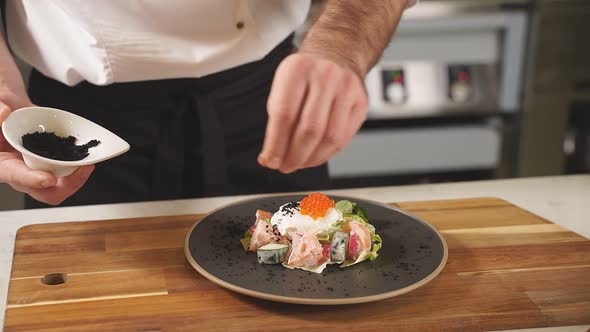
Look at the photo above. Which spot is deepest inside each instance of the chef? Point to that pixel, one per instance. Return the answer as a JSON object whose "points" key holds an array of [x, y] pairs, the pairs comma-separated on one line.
{"points": [[212, 96]]}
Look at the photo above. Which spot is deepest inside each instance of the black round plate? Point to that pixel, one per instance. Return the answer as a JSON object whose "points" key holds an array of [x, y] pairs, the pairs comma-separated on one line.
{"points": [[413, 253]]}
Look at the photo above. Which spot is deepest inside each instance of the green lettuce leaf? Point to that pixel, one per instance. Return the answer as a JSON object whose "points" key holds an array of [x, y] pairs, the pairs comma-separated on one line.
{"points": [[350, 208], [361, 212], [345, 206], [246, 240], [314, 269], [377, 244]]}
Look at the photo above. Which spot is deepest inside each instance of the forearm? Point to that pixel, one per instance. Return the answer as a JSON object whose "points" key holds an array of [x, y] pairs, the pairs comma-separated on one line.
{"points": [[354, 32], [12, 88]]}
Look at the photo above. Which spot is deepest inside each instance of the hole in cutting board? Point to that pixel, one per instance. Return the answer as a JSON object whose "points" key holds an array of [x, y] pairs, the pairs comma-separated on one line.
{"points": [[54, 279]]}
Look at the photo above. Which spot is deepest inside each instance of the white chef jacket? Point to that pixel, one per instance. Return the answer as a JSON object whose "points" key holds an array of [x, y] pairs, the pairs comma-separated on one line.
{"points": [[109, 41]]}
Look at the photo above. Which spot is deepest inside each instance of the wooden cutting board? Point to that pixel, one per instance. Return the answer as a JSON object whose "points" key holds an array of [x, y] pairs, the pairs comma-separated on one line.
{"points": [[507, 268]]}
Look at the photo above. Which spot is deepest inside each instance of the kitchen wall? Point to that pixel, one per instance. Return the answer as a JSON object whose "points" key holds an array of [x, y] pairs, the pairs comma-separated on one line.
{"points": [[557, 96]]}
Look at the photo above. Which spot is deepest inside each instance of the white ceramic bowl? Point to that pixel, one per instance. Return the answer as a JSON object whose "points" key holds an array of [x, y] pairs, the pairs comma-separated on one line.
{"points": [[31, 119]]}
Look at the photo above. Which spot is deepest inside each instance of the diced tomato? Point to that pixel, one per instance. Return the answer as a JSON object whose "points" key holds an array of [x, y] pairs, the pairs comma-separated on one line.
{"points": [[353, 247], [326, 251], [252, 228]]}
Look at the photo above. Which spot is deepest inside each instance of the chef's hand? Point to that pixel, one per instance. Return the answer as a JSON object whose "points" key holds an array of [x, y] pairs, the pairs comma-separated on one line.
{"points": [[42, 186], [316, 106]]}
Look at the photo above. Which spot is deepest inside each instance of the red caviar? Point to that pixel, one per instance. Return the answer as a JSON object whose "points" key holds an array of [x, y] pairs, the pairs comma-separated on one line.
{"points": [[316, 205]]}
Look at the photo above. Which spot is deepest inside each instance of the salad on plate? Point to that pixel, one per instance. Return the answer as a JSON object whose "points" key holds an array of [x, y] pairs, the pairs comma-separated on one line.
{"points": [[313, 233]]}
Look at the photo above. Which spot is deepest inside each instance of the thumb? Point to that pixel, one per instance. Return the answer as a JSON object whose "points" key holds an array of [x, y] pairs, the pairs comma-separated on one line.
{"points": [[4, 111]]}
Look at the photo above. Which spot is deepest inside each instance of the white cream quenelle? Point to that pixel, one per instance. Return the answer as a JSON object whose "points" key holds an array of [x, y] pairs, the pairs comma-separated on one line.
{"points": [[289, 220]]}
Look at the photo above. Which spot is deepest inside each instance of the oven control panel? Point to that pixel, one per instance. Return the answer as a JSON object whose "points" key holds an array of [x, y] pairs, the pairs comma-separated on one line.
{"points": [[427, 88]]}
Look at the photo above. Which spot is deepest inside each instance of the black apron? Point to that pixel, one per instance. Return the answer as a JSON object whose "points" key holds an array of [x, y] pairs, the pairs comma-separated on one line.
{"points": [[195, 137]]}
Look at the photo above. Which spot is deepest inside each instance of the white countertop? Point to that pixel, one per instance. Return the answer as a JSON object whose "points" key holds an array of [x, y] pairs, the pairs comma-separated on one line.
{"points": [[564, 200]]}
